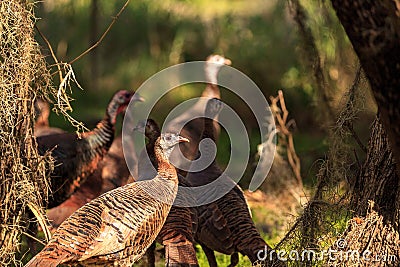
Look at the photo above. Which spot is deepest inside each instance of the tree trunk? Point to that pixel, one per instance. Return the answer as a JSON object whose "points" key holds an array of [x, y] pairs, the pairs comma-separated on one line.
{"points": [[373, 28], [377, 180], [375, 235]]}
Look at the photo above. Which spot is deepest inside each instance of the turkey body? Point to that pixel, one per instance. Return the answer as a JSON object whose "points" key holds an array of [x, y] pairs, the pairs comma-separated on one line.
{"points": [[177, 234], [111, 173], [76, 157], [116, 228], [225, 225], [75, 160], [113, 168]]}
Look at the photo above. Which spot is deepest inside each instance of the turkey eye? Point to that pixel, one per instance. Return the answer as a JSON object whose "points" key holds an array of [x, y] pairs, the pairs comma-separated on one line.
{"points": [[168, 138]]}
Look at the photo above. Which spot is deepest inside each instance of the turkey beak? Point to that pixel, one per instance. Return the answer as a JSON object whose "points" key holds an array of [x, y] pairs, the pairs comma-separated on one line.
{"points": [[182, 139], [227, 62], [138, 98]]}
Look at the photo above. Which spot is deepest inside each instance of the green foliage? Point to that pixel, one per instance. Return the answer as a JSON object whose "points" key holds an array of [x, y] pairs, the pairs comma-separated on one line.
{"points": [[222, 260], [259, 36], [152, 35]]}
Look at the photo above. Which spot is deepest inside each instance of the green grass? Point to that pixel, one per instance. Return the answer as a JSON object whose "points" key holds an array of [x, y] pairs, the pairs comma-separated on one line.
{"points": [[223, 260]]}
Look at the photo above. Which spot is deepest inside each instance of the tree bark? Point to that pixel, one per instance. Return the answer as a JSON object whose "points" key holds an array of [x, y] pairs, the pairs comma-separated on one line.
{"points": [[376, 200], [377, 180], [373, 28]]}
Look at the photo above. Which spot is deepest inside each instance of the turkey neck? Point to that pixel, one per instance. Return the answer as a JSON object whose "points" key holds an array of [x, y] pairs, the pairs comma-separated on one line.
{"points": [[101, 138], [164, 169], [211, 90], [150, 149], [208, 132]]}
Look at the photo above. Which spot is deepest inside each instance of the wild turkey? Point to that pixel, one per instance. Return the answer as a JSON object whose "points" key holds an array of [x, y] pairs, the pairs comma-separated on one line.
{"points": [[114, 169], [191, 120], [146, 161], [42, 126], [77, 157], [111, 173], [225, 225], [116, 228], [177, 234]]}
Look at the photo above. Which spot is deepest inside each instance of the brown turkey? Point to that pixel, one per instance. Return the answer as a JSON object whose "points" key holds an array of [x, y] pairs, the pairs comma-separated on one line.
{"points": [[116, 228], [42, 127], [77, 157], [177, 234], [190, 121], [225, 225], [146, 161], [112, 172]]}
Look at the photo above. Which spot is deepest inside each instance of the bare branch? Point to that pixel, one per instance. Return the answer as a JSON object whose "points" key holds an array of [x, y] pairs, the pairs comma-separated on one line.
{"points": [[103, 36], [281, 115], [51, 51]]}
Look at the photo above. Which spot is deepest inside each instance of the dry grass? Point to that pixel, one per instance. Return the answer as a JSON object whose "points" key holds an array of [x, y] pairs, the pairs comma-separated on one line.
{"points": [[368, 241], [23, 172], [25, 76]]}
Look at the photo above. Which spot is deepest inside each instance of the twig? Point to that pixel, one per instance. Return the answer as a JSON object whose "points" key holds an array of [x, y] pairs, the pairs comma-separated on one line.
{"points": [[51, 51], [357, 159], [294, 160], [281, 115], [103, 36], [41, 220], [283, 106], [355, 136], [34, 238]]}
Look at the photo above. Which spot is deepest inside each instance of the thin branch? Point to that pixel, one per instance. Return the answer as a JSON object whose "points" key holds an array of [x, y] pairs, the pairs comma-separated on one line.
{"points": [[41, 220], [51, 51], [35, 238], [103, 36], [356, 82], [356, 137], [357, 159], [283, 105], [281, 115]]}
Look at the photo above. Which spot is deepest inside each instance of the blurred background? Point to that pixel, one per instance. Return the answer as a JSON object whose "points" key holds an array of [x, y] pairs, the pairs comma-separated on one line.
{"points": [[261, 37]]}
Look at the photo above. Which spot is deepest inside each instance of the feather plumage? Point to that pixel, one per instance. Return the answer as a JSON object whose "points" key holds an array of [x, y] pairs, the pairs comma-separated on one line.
{"points": [[117, 227]]}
